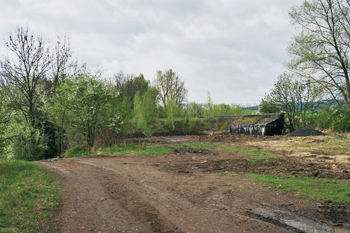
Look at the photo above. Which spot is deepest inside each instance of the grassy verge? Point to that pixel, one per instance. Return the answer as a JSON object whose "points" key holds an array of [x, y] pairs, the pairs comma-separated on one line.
{"points": [[143, 150], [28, 194], [322, 189]]}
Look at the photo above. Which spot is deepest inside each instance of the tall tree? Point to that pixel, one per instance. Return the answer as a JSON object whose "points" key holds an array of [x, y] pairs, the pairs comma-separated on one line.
{"points": [[62, 63], [83, 100], [169, 84], [145, 112], [321, 51], [173, 110], [30, 69], [129, 85], [25, 74], [298, 100], [209, 106]]}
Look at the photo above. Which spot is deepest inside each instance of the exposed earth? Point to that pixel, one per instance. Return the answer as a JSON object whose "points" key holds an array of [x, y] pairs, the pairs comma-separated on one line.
{"points": [[200, 191]]}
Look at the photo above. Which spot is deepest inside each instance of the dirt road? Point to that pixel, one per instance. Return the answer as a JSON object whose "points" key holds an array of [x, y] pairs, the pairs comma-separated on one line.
{"points": [[185, 191]]}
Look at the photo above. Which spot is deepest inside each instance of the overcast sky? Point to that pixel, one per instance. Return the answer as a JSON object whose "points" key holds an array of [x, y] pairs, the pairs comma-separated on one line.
{"points": [[234, 49]]}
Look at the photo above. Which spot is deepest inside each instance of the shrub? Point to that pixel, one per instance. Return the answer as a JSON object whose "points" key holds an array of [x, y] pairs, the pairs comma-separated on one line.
{"points": [[336, 118], [30, 145]]}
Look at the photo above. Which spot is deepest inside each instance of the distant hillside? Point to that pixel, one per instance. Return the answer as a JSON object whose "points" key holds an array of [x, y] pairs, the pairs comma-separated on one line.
{"points": [[253, 108], [320, 105]]}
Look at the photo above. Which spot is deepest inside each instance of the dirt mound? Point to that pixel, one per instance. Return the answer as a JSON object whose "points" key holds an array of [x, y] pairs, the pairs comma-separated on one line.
{"points": [[305, 132]]}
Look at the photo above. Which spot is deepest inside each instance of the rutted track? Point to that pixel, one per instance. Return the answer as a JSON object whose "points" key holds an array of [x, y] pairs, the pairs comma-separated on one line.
{"points": [[170, 193]]}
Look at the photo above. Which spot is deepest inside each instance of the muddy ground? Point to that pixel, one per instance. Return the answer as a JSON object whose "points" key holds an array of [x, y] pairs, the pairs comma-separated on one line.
{"points": [[197, 190]]}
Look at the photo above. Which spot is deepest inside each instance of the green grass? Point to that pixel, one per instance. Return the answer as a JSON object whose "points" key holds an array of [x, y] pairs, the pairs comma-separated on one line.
{"points": [[137, 150], [315, 188], [78, 151], [253, 153], [197, 146], [28, 195]]}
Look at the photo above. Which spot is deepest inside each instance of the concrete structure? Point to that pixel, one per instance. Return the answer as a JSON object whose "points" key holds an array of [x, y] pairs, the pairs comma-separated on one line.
{"points": [[260, 125]]}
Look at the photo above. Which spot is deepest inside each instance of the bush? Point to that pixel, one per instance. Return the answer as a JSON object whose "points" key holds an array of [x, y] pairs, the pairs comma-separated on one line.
{"points": [[336, 118], [30, 145], [78, 151]]}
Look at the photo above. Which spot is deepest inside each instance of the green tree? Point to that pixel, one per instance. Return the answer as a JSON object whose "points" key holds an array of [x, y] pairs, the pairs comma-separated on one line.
{"points": [[5, 119], [83, 101], [209, 106], [169, 85], [28, 75], [321, 50], [194, 110], [267, 106], [298, 100], [129, 85], [146, 112], [173, 110], [334, 117], [221, 110]]}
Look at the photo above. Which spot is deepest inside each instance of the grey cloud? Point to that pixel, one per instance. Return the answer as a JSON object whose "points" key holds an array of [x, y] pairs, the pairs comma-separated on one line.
{"points": [[227, 47], [177, 8]]}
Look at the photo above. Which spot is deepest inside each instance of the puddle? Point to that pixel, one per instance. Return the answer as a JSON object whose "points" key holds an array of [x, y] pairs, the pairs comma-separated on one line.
{"points": [[312, 227], [297, 223]]}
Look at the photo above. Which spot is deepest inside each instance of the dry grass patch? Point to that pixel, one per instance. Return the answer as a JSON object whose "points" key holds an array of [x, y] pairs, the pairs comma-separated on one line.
{"points": [[335, 147]]}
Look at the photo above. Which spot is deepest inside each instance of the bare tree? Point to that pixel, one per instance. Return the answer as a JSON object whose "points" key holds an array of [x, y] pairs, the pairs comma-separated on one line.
{"points": [[26, 72], [62, 61], [169, 84], [29, 70], [321, 51]]}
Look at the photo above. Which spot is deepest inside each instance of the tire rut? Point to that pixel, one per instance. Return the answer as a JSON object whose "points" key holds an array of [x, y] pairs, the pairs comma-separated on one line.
{"points": [[128, 194]]}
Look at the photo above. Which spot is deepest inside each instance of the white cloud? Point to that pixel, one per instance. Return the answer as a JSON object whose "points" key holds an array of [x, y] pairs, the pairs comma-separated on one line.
{"points": [[233, 49]]}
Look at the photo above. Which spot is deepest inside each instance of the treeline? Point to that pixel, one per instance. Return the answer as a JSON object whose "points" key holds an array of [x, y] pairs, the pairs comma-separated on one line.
{"points": [[315, 92], [48, 102]]}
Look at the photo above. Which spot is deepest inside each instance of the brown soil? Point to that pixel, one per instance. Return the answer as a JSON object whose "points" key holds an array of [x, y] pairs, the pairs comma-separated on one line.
{"points": [[193, 191]]}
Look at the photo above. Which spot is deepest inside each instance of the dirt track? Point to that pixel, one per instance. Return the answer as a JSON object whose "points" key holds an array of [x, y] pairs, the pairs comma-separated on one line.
{"points": [[185, 191]]}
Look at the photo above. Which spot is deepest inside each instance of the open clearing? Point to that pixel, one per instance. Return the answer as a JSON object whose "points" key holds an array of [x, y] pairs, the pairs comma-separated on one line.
{"points": [[200, 190]]}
